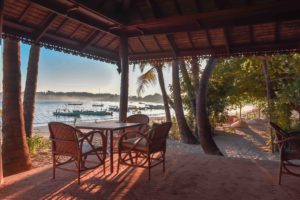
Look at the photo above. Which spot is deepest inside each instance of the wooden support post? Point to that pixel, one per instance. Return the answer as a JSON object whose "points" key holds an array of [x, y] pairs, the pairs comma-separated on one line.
{"points": [[1, 25], [269, 98], [123, 52]]}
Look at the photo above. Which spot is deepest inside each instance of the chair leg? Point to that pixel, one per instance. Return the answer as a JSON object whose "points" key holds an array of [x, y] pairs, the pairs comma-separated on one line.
{"points": [[164, 162], [53, 168], [78, 172], [118, 166], [149, 167], [280, 172]]}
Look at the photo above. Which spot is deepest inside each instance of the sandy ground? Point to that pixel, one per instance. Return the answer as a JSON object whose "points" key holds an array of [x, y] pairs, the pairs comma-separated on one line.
{"points": [[187, 176], [249, 143]]}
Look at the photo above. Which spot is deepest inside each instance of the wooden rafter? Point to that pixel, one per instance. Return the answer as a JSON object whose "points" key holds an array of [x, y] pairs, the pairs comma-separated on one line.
{"points": [[90, 39], [75, 31], [227, 40], [142, 43], [44, 27], [157, 43], [177, 6], [130, 48], [248, 15], [100, 38], [24, 13], [155, 8], [190, 39], [251, 34], [173, 45], [277, 31], [61, 25], [58, 9], [199, 5], [110, 42], [61, 41]]}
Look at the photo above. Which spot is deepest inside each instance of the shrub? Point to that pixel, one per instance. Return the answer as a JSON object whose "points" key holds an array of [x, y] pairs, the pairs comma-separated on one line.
{"points": [[36, 143]]}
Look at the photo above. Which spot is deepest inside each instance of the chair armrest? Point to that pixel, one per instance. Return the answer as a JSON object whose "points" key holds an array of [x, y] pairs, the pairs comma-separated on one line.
{"points": [[289, 139], [140, 136], [294, 133], [91, 134]]}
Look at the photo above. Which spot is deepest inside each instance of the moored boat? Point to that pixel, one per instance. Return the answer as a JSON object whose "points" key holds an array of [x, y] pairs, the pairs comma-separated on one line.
{"points": [[91, 112], [65, 113]]}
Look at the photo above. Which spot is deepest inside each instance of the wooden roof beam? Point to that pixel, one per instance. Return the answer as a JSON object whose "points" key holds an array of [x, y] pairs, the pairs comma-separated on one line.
{"points": [[227, 40], [277, 31], [61, 25], [155, 8], [110, 42], [24, 13], [199, 5], [58, 9], [142, 43], [89, 40], [173, 45], [157, 43], [251, 34], [177, 6], [190, 39], [44, 27], [248, 15]]}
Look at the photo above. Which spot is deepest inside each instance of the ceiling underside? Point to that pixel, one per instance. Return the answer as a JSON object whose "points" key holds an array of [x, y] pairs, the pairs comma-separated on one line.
{"points": [[156, 29]]}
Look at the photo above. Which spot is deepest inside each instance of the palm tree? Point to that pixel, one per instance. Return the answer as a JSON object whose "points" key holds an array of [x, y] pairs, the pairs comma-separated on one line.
{"points": [[30, 88], [205, 134], [185, 131], [149, 78], [15, 150]]}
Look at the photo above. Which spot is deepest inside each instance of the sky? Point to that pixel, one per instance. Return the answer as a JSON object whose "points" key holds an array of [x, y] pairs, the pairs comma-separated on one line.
{"points": [[63, 72]]}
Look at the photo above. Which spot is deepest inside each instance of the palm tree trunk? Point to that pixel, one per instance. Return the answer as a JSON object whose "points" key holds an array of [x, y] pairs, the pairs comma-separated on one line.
{"points": [[30, 88], [190, 92], [15, 150], [195, 73], [163, 92], [205, 134], [185, 131]]}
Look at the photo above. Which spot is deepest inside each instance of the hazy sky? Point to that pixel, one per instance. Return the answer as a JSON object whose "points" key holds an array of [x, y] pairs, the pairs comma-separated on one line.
{"points": [[64, 72]]}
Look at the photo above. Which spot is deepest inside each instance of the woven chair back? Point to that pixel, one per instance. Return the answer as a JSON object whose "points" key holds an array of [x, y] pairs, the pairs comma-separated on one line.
{"points": [[64, 139]]}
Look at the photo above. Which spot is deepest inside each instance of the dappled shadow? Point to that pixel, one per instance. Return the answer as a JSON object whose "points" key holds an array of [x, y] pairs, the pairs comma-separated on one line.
{"points": [[187, 177]]}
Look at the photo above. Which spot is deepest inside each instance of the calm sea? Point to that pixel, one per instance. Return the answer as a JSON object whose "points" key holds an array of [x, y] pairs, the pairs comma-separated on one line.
{"points": [[44, 111]]}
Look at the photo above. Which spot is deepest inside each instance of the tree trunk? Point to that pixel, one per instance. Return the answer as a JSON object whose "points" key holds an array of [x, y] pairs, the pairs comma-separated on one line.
{"points": [[195, 73], [163, 92], [191, 93], [185, 131], [270, 95], [30, 88], [15, 150], [205, 134]]}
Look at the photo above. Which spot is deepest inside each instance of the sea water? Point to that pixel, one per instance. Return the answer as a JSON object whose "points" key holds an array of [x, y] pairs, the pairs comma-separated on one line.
{"points": [[44, 111]]}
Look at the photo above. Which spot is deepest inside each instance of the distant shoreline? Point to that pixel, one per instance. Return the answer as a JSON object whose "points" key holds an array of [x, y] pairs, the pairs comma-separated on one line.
{"points": [[78, 96]]}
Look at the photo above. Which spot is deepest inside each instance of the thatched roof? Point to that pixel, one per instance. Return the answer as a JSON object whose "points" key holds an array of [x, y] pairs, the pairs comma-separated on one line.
{"points": [[157, 29]]}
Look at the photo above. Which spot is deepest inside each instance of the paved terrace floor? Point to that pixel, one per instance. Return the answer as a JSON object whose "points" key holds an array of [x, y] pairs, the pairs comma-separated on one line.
{"points": [[188, 176]]}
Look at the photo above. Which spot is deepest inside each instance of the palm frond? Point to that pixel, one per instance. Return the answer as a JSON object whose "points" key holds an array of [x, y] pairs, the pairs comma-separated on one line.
{"points": [[145, 80]]}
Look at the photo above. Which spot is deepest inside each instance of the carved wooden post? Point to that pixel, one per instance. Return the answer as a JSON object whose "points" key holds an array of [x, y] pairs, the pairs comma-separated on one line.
{"points": [[1, 25], [123, 53]]}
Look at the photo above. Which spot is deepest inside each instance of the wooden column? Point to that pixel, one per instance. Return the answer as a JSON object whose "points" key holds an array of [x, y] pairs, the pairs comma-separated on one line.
{"points": [[1, 26], [123, 53]]}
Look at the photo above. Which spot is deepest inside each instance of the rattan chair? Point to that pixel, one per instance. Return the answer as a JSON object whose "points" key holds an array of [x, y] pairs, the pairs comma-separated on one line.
{"points": [[145, 150], [137, 118], [71, 145], [289, 147]]}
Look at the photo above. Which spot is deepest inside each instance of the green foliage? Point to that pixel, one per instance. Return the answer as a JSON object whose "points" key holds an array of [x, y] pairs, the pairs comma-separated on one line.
{"points": [[174, 133], [36, 143]]}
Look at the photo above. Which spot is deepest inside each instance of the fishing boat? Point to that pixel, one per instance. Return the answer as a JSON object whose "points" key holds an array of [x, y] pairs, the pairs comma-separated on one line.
{"points": [[75, 104], [91, 112], [113, 108], [98, 105], [65, 113]]}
